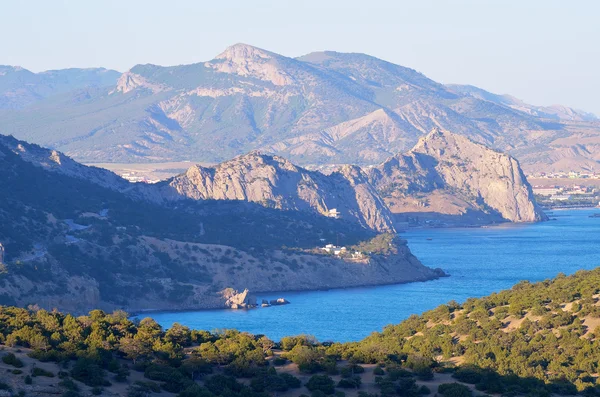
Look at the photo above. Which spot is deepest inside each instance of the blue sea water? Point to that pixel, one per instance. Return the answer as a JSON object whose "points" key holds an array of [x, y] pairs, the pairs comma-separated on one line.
{"points": [[479, 260]]}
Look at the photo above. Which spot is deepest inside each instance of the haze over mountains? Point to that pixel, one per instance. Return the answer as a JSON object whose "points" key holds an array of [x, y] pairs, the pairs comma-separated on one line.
{"points": [[321, 108]]}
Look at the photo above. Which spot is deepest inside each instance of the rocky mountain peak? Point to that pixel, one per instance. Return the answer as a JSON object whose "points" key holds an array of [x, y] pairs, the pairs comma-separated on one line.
{"points": [[130, 81], [243, 52], [443, 167], [248, 61]]}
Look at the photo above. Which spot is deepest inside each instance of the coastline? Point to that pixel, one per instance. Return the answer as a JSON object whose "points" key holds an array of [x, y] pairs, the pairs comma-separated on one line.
{"points": [[138, 313]]}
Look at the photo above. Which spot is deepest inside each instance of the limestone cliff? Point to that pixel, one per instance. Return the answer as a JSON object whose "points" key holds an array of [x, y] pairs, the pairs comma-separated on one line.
{"points": [[446, 173], [274, 182]]}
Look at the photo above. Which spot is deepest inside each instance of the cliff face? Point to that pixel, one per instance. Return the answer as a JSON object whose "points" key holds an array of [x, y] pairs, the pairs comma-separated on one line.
{"points": [[447, 173], [274, 182]]}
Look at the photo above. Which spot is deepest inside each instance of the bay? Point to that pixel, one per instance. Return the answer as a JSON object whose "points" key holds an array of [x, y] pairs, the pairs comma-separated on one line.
{"points": [[479, 260]]}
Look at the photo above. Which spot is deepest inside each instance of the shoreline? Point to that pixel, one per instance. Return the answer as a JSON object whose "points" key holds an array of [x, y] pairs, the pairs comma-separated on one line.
{"points": [[138, 313]]}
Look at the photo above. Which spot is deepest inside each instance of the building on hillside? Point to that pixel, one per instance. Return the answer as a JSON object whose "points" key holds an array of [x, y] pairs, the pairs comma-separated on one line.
{"points": [[334, 213], [339, 250], [328, 248], [1, 253]]}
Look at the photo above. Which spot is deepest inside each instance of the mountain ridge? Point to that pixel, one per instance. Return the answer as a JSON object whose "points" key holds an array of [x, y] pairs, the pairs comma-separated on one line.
{"points": [[247, 98]]}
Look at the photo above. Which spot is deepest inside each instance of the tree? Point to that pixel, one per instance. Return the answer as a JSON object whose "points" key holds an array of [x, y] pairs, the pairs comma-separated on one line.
{"points": [[134, 349], [323, 383], [178, 334]]}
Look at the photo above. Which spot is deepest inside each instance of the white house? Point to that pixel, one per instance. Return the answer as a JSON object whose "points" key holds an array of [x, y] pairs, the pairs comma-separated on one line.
{"points": [[334, 213]]}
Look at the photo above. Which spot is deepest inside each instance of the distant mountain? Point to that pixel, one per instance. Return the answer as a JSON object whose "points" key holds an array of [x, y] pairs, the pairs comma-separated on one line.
{"points": [[78, 237], [20, 88], [321, 108], [447, 176], [555, 112]]}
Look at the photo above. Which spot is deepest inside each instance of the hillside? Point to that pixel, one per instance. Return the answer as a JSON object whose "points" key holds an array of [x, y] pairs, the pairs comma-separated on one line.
{"points": [[76, 239], [274, 182], [535, 339], [321, 108], [449, 178]]}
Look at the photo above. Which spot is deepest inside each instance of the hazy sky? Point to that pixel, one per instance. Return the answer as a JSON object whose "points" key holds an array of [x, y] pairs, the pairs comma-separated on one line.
{"points": [[542, 51]]}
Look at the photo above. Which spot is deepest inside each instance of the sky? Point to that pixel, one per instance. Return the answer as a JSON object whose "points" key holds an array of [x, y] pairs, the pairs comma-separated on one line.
{"points": [[542, 51]]}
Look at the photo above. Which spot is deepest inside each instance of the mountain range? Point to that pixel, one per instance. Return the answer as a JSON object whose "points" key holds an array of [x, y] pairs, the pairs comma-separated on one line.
{"points": [[321, 108]]}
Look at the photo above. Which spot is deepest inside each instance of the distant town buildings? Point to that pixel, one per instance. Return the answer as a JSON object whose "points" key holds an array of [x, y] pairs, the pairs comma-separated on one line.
{"points": [[132, 177], [566, 175]]}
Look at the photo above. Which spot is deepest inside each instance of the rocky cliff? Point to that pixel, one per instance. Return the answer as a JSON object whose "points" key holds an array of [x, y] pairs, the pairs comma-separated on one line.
{"points": [[449, 174], [274, 182]]}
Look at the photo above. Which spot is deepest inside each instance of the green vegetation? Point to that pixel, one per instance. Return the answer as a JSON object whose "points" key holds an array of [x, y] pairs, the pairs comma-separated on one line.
{"points": [[532, 339], [11, 359], [382, 244], [454, 390]]}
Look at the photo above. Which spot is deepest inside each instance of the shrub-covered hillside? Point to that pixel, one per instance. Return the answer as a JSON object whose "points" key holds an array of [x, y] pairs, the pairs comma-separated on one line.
{"points": [[548, 331], [534, 339]]}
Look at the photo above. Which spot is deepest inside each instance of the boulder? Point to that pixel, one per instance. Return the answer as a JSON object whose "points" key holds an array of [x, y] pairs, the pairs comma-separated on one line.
{"points": [[238, 300]]}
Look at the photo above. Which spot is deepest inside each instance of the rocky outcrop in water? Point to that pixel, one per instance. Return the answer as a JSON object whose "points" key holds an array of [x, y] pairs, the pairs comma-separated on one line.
{"points": [[238, 300]]}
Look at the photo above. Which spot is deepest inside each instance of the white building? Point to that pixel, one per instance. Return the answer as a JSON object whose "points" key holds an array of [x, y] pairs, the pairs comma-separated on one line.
{"points": [[334, 213], [328, 248], [560, 197], [1, 253], [339, 250]]}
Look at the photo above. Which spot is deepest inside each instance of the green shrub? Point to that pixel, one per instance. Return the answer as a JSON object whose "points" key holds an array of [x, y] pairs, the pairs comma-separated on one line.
{"points": [[353, 382], [277, 361], [11, 359], [88, 372], [291, 381], [454, 390], [322, 383], [68, 384], [37, 371], [467, 375]]}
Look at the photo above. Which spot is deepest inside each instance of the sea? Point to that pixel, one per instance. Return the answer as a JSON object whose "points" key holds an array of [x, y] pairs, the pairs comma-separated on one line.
{"points": [[479, 261]]}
